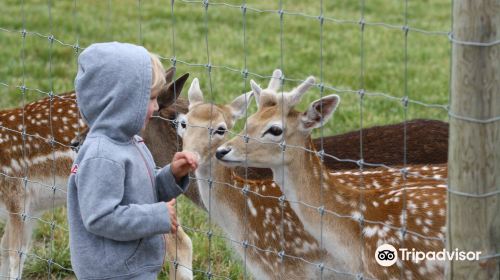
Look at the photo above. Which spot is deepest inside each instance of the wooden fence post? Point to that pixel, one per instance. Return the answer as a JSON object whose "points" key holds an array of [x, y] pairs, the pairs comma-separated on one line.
{"points": [[473, 223]]}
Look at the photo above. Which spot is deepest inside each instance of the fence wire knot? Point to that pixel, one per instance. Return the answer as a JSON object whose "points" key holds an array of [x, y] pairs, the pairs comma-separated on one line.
{"points": [[244, 8], [173, 60], [361, 93], [245, 190], [245, 244], [24, 33], [321, 155], [321, 19], [282, 199], [51, 38], [283, 146], [245, 72], [321, 267], [359, 277], [405, 29], [362, 23], [281, 254], [209, 67], [246, 138], [404, 172], [321, 210], [360, 163], [404, 100]]}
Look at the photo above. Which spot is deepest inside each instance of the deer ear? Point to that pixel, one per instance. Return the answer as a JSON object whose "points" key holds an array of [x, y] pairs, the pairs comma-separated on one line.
{"points": [[195, 96], [275, 82], [294, 97], [169, 74], [168, 96], [240, 105], [319, 112]]}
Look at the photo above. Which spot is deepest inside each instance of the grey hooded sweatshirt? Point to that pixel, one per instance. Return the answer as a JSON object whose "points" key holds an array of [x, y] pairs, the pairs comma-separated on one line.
{"points": [[116, 199]]}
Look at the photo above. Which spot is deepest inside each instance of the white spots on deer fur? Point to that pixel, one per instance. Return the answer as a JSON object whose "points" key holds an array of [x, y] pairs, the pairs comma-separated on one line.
{"points": [[418, 221], [54, 118], [425, 230], [66, 140], [15, 165], [429, 213], [12, 117], [425, 168], [370, 231], [65, 119], [437, 176], [376, 184], [59, 110], [342, 181], [442, 212], [428, 222], [435, 202], [252, 209]]}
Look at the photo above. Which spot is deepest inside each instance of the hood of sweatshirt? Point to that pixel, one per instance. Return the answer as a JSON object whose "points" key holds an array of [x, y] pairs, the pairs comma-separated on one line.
{"points": [[113, 86]]}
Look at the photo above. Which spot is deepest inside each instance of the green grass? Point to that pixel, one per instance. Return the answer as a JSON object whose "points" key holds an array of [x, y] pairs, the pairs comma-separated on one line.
{"points": [[383, 59]]}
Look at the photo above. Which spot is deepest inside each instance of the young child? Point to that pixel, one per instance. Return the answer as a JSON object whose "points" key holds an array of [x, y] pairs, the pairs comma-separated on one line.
{"points": [[117, 208]]}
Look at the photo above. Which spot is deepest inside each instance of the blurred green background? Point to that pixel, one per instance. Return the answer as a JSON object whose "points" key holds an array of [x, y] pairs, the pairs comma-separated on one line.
{"points": [[263, 47]]}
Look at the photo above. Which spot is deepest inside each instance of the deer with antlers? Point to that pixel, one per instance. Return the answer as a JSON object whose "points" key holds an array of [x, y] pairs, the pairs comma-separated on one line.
{"points": [[355, 211], [35, 169]]}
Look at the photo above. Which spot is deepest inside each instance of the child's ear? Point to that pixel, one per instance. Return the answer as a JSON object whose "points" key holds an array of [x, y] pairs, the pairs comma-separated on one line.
{"points": [[195, 96], [172, 91], [319, 112]]}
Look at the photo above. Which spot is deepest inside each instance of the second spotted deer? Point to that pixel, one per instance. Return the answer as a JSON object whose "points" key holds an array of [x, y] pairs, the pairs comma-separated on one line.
{"points": [[353, 211]]}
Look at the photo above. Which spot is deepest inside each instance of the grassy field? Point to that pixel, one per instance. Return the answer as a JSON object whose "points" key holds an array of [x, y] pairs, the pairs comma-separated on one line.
{"points": [[377, 66]]}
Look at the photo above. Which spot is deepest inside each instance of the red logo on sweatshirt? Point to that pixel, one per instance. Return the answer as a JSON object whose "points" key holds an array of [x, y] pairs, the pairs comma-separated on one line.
{"points": [[74, 168]]}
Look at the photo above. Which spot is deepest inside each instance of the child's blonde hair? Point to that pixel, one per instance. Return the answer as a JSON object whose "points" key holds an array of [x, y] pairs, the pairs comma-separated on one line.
{"points": [[158, 80]]}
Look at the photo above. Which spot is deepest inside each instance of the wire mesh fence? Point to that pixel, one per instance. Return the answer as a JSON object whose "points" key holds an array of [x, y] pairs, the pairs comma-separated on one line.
{"points": [[16, 165]]}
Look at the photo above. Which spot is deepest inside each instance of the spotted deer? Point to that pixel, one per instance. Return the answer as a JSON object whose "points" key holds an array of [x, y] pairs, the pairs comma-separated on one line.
{"points": [[248, 211], [354, 211], [44, 158]]}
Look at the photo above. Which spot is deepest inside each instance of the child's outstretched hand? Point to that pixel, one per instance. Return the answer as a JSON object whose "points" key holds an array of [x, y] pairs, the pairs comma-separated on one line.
{"points": [[173, 216], [183, 163]]}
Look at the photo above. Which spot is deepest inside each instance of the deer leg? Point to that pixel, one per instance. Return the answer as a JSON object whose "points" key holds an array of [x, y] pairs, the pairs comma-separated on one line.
{"points": [[180, 249], [4, 267], [20, 233]]}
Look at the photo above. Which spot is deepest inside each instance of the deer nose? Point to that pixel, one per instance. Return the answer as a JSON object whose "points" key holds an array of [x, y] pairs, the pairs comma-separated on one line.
{"points": [[221, 152]]}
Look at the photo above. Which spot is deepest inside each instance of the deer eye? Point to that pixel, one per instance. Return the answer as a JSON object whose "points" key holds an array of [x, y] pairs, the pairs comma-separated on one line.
{"points": [[274, 130], [220, 130], [183, 124]]}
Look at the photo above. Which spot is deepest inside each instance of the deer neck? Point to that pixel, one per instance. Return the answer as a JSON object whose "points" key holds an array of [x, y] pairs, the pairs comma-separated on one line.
{"points": [[301, 179], [222, 197]]}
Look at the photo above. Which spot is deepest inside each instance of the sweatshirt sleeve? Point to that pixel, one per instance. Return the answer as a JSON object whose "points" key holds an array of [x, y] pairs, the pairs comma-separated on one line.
{"points": [[100, 184], [166, 185]]}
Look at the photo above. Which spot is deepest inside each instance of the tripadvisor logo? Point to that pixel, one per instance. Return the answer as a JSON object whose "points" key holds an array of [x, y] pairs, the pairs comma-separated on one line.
{"points": [[387, 255]]}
